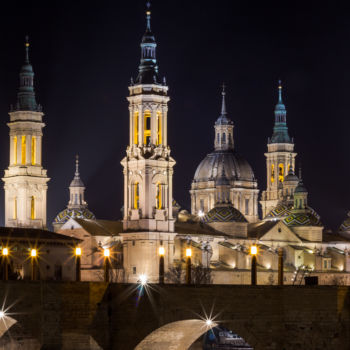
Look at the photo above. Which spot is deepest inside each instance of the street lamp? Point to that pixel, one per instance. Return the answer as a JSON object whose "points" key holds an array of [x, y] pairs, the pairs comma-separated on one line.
{"points": [[188, 265], [33, 256], [77, 264], [253, 253], [5, 253], [106, 254], [161, 265]]}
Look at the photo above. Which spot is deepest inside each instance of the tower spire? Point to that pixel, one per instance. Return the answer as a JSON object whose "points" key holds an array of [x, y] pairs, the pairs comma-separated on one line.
{"points": [[148, 68], [76, 182], [280, 130], [26, 60], [223, 104]]}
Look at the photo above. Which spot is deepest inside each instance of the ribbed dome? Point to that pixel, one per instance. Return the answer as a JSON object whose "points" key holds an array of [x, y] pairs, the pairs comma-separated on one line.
{"points": [[282, 211], [224, 213], [236, 167], [303, 219], [67, 214]]}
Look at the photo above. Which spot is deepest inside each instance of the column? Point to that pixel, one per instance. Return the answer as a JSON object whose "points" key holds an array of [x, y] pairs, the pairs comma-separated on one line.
{"points": [[154, 125], [39, 149], [12, 150], [19, 149], [165, 125], [131, 123], [141, 119], [28, 149]]}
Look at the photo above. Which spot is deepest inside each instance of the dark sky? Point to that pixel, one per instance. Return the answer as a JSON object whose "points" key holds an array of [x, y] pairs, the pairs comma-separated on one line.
{"points": [[84, 54]]}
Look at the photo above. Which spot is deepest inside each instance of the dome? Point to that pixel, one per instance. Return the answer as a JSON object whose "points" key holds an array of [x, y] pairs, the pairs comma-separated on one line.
{"points": [[236, 167], [224, 213], [300, 188], [285, 210], [67, 214], [291, 177], [345, 226], [76, 182], [303, 219]]}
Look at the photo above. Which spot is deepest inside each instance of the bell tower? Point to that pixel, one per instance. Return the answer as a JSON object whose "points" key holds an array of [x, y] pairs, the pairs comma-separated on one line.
{"points": [[25, 179], [280, 157], [148, 170]]}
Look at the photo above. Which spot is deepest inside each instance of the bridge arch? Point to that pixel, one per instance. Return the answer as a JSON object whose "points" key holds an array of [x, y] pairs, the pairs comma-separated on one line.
{"points": [[179, 335]]}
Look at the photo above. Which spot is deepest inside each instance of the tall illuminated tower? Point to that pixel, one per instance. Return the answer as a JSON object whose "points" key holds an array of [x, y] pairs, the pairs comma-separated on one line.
{"points": [[148, 170], [25, 179], [280, 154]]}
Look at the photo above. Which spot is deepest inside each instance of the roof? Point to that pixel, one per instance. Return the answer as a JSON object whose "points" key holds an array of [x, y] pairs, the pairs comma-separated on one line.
{"points": [[257, 230], [224, 213], [32, 234], [66, 214], [334, 237], [196, 229], [303, 219], [101, 227]]}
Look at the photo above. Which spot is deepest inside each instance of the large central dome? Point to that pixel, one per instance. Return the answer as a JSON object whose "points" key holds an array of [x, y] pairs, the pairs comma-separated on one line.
{"points": [[235, 166]]}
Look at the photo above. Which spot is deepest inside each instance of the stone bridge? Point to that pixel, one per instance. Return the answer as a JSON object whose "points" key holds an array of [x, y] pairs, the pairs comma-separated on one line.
{"points": [[84, 315]]}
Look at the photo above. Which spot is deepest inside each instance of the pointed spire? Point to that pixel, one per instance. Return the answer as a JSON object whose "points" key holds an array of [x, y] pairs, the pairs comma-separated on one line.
{"points": [[148, 69], [26, 97], [223, 104], [77, 166], [280, 130], [76, 182]]}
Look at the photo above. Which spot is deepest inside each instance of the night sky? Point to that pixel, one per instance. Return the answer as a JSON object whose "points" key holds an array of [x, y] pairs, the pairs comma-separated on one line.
{"points": [[84, 54]]}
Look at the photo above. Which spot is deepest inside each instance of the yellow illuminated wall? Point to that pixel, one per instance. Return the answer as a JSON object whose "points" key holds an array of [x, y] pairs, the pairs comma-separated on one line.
{"points": [[280, 172], [147, 127], [15, 208], [15, 150], [159, 196], [136, 195], [136, 128], [272, 173], [159, 131], [33, 150], [23, 150], [32, 208]]}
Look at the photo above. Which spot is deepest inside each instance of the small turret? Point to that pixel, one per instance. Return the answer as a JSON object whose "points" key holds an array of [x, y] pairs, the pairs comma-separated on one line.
{"points": [[76, 189], [300, 195]]}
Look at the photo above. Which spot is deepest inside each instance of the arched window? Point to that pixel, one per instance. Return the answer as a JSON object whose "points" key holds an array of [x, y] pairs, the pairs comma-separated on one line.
{"points": [[23, 150], [147, 127], [159, 128], [223, 138], [218, 138], [15, 208], [136, 128], [230, 139], [15, 150], [136, 195], [280, 172], [33, 150], [272, 173], [158, 195], [246, 206], [32, 208], [76, 199]]}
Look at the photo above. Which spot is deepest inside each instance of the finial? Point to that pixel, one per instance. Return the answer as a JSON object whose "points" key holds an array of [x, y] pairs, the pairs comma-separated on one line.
{"points": [[164, 81], [76, 165], [279, 91], [223, 105], [148, 16], [291, 170], [27, 49], [131, 81], [300, 171]]}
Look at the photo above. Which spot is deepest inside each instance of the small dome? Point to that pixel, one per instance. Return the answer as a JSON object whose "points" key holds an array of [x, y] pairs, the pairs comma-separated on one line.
{"points": [[303, 219], [76, 182], [224, 213], [291, 177], [67, 214], [236, 167], [300, 188], [345, 226]]}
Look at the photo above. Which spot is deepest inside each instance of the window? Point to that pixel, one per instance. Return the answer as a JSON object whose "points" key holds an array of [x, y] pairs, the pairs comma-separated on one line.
{"points": [[246, 206], [218, 138], [280, 172], [159, 196], [159, 128], [15, 208], [223, 138], [15, 150], [32, 208], [58, 272], [23, 150], [272, 173], [136, 195], [133, 243], [147, 128], [134, 270], [33, 150], [201, 205], [76, 198], [136, 128], [229, 139]]}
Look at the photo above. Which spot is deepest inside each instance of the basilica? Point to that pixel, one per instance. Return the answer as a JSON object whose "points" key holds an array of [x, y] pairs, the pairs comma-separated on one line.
{"points": [[228, 213]]}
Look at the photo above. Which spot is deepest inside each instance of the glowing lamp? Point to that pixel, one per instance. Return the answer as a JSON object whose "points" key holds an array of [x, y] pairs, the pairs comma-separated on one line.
{"points": [[143, 279], [253, 250], [77, 251], [5, 251], [33, 253], [2, 314], [209, 322], [106, 253], [161, 251], [188, 252], [200, 214]]}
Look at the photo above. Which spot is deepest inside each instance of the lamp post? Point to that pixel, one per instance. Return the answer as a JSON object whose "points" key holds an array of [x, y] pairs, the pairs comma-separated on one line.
{"points": [[33, 257], [161, 265], [77, 264], [253, 253], [5, 253], [188, 265], [280, 266], [106, 254]]}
